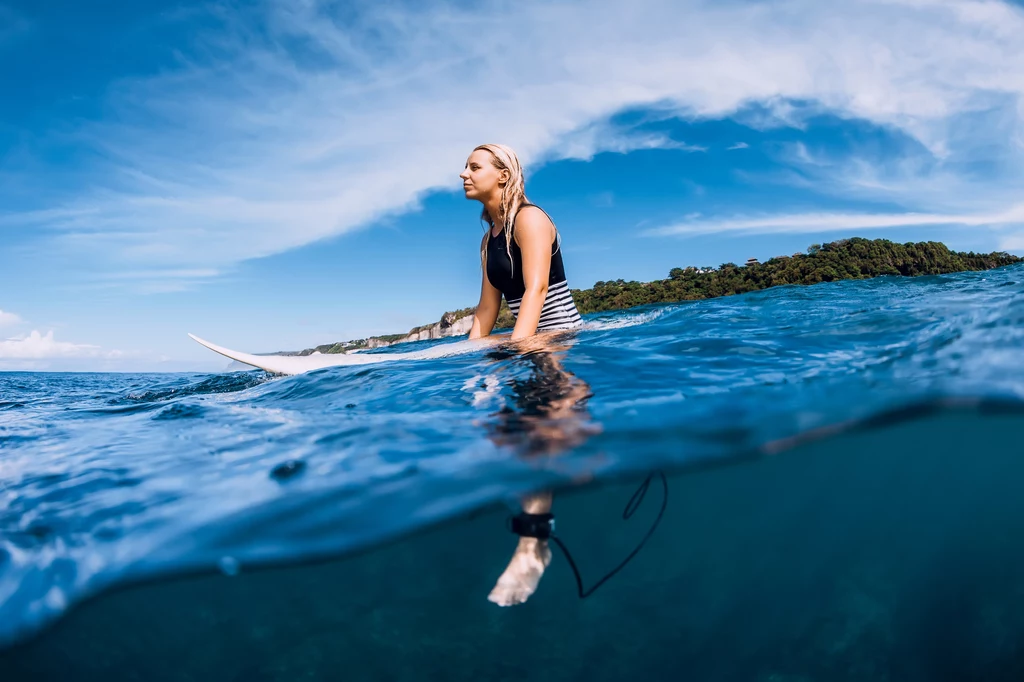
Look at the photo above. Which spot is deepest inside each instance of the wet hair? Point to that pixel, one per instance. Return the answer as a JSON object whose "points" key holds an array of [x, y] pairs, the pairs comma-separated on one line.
{"points": [[513, 194]]}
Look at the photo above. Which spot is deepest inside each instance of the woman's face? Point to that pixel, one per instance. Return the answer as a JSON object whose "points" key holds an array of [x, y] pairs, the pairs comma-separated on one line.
{"points": [[480, 179]]}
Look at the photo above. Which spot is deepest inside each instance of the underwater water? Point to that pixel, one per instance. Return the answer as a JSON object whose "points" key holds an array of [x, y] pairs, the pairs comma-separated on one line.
{"points": [[843, 466]]}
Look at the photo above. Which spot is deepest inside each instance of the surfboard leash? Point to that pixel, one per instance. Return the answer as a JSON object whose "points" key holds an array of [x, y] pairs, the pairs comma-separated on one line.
{"points": [[542, 527]]}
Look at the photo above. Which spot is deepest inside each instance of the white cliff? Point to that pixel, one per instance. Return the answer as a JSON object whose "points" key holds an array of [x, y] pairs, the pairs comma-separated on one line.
{"points": [[448, 326]]}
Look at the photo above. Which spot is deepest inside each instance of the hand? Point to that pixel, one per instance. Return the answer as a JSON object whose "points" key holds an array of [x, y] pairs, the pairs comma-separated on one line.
{"points": [[541, 342]]}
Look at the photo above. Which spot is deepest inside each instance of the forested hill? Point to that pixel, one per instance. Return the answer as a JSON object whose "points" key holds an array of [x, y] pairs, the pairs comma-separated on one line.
{"points": [[855, 258]]}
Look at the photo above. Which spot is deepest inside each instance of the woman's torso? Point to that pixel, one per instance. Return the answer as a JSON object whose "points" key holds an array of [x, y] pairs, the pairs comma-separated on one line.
{"points": [[506, 275]]}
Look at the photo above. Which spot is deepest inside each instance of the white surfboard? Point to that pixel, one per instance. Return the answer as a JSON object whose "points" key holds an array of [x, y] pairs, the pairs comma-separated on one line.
{"points": [[297, 364]]}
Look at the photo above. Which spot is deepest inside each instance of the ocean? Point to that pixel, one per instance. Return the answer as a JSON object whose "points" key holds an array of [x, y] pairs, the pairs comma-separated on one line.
{"points": [[833, 492]]}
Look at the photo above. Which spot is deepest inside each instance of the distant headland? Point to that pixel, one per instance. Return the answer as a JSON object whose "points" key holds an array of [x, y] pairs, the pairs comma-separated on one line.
{"points": [[854, 258]]}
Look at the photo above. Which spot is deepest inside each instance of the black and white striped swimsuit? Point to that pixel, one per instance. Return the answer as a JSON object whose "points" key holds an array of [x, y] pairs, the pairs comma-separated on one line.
{"points": [[559, 311]]}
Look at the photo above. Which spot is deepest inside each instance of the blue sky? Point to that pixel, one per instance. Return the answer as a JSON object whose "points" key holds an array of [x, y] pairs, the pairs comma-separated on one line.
{"points": [[277, 175]]}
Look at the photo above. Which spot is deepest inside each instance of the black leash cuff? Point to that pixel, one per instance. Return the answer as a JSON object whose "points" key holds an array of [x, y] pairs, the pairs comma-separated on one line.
{"points": [[540, 526]]}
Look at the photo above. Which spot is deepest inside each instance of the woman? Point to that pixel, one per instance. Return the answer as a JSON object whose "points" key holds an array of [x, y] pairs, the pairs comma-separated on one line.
{"points": [[520, 252], [521, 261]]}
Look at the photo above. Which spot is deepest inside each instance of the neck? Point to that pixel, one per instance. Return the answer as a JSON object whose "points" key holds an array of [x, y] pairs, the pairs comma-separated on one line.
{"points": [[493, 206]]}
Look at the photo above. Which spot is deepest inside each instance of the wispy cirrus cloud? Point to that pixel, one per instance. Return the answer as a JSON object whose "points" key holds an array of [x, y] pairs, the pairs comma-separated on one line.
{"points": [[844, 222], [299, 122], [901, 186], [604, 136]]}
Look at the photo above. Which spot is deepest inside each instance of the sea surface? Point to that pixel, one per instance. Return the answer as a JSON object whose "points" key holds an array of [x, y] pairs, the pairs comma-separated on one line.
{"points": [[834, 491]]}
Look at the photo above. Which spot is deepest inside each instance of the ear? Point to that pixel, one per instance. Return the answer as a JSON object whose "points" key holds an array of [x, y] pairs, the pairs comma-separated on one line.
{"points": [[504, 176]]}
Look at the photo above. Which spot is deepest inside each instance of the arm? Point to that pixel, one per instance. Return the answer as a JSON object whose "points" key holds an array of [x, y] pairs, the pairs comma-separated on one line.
{"points": [[490, 302], [533, 234]]}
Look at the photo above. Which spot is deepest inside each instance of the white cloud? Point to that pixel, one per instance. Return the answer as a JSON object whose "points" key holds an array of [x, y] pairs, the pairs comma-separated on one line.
{"points": [[899, 171], [36, 346], [826, 222], [738, 145], [154, 280], [602, 136], [8, 319], [300, 124]]}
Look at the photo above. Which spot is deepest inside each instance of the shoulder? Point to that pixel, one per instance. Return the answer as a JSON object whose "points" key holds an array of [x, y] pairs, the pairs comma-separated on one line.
{"points": [[532, 214], [533, 223]]}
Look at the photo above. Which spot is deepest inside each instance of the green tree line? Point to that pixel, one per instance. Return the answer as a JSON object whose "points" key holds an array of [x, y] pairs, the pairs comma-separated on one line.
{"points": [[855, 258]]}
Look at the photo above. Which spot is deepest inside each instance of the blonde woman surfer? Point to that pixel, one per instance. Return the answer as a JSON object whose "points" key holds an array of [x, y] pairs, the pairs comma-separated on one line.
{"points": [[522, 261], [521, 257]]}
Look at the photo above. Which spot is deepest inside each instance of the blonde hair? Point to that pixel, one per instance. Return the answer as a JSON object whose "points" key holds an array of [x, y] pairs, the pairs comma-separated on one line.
{"points": [[513, 194]]}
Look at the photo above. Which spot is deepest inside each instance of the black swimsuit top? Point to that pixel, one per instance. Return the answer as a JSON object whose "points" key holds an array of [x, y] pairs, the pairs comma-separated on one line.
{"points": [[507, 275]]}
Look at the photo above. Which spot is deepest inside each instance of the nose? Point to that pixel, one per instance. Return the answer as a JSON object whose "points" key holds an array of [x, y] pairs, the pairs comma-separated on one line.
{"points": [[464, 174]]}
